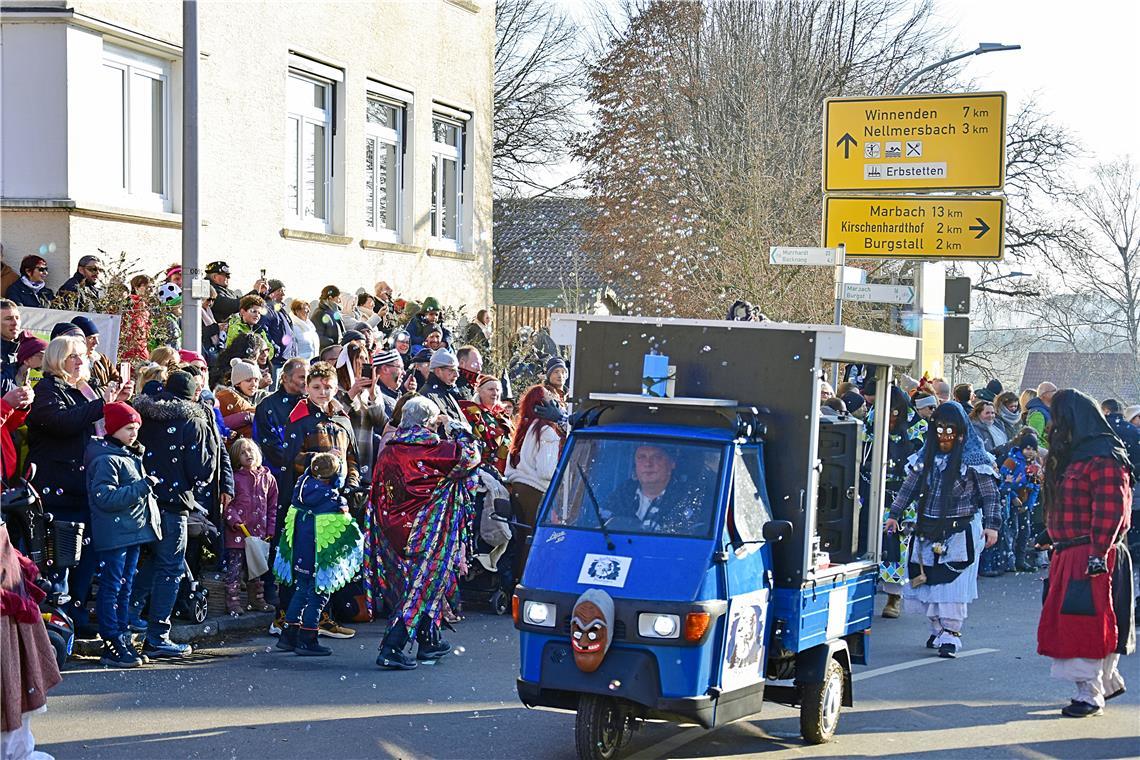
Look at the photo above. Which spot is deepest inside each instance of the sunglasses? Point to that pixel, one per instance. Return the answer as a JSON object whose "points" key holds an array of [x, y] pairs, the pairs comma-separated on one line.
{"points": [[96, 270], [42, 269]]}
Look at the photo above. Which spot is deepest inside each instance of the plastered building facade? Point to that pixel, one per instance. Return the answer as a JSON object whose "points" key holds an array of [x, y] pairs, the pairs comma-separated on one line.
{"points": [[340, 142]]}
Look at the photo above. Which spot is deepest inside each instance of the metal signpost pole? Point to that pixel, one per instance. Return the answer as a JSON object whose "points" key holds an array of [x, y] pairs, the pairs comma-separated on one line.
{"points": [[840, 262], [191, 306]]}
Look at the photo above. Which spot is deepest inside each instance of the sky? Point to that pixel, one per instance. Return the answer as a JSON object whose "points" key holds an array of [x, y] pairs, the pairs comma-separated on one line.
{"points": [[1080, 58]]}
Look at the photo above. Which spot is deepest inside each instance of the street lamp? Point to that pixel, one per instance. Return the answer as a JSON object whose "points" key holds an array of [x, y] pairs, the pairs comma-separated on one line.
{"points": [[981, 49]]}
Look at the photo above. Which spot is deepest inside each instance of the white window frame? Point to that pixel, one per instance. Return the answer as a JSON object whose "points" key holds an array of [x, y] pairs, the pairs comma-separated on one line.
{"points": [[317, 117], [138, 193], [394, 137], [442, 151]]}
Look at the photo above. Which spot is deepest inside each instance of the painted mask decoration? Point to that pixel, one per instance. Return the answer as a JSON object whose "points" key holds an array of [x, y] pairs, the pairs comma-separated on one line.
{"points": [[591, 629], [947, 437]]}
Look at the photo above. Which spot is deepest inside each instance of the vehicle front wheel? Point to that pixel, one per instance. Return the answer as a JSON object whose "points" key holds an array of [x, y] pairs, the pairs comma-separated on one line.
{"points": [[602, 727], [819, 711], [60, 647]]}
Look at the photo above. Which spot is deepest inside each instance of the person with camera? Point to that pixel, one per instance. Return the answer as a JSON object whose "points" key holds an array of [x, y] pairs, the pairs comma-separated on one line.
{"points": [[1087, 619]]}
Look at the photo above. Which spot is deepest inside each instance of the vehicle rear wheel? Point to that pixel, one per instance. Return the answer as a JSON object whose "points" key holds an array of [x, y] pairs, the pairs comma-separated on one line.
{"points": [[60, 647], [819, 711], [500, 602], [602, 727]]}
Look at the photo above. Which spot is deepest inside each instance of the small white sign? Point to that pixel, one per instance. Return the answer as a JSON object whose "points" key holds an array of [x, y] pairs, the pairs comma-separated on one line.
{"points": [[894, 150], [905, 171], [604, 570], [872, 150], [795, 256], [744, 660], [900, 294], [914, 148]]}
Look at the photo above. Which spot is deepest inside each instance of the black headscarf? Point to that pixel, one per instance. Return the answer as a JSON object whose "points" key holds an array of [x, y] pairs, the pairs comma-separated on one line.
{"points": [[1090, 434], [900, 402]]}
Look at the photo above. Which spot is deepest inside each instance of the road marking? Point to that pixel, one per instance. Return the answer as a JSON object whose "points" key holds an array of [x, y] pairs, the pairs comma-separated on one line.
{"points": [[914, 664], [666, 746]]}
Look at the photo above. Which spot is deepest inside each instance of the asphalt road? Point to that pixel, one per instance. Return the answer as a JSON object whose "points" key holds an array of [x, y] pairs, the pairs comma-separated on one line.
{"points": [[243, 699]]}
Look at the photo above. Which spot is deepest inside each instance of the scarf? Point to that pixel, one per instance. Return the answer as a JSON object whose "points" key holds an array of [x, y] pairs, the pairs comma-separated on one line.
{"points": [[35, 286], [1012, 418]]}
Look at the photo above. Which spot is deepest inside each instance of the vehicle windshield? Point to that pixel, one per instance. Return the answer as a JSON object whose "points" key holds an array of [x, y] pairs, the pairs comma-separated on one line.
{"points": [[651, 486]]}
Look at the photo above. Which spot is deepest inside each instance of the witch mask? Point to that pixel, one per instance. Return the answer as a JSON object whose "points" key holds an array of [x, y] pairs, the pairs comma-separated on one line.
{"points": [[591, 629], [948, 435]]}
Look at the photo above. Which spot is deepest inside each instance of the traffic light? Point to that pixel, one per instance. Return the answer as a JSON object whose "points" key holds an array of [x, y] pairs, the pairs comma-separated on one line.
{"points": [[956, 335], [957, 295]]}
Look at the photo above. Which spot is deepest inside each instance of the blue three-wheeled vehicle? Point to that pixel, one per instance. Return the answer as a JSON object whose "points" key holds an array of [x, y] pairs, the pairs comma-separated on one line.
{"points": [[702, 550]]}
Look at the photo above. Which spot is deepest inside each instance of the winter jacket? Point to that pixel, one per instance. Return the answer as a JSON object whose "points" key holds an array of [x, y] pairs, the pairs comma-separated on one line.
{"points": [[85, 295], [226, 303], [317, 432], [993, 436], [305, 339], [25, 295], [236, 326], [180, 448], [237, 412], [123, 508], [327, 321], [1037, 416], [60, 424], [270, 426], [538, 458], [11, 419], [446, 397], [279, 328], [254, 505], [1129, 434]]}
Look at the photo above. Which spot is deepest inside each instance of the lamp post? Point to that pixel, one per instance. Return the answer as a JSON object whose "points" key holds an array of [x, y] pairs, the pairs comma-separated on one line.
{"points": [[981, 49], [930, 277]]}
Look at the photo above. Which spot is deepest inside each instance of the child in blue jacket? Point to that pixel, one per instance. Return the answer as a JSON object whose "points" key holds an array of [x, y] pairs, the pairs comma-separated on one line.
{"points": [[124, 516]]}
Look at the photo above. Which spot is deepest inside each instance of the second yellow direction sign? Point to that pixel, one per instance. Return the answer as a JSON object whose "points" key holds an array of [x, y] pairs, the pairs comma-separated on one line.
{"points": [[916, 227], [914, 142]]}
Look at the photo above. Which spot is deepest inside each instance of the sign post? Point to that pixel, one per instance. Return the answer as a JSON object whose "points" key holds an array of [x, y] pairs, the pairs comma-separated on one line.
{"points": [[902, 295], [916, 227], [801, 256], [914, 142]]}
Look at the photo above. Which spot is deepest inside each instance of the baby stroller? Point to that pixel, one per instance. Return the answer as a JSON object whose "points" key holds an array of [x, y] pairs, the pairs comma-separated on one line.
{"points": [[490, 577], [52, 545]]}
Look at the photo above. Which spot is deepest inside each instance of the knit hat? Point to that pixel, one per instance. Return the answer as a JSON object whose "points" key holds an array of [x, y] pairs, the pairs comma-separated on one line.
{"points": [[391, 356], [430, 304], [172, 270], [853, 401], [29, 347], [555, 362], [275, 285], [325, 465], [217, 267], [1131, 413], [926, 402], [400, 335], [434, 329], [118, 415], [995, 387], [484, 379], [181, 385], [241, 370], [351, 335], [985, 394], [65, 328], [423, 356], [190, 357], [442, 358], [86, 325]]}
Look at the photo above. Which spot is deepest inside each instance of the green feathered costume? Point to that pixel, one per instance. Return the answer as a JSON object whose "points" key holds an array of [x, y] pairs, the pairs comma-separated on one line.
{"points": [[320, 538]]}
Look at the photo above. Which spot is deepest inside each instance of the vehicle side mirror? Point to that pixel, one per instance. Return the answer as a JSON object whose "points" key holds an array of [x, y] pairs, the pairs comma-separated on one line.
{"points": [[775, 531]]}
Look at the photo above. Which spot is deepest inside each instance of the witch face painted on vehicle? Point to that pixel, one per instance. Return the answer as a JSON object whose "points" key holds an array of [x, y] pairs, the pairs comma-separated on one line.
{"points": [[591, 629]]}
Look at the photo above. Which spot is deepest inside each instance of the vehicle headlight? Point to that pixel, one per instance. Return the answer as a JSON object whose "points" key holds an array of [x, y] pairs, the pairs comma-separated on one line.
{"points": [[656, 625], [539, 613]]}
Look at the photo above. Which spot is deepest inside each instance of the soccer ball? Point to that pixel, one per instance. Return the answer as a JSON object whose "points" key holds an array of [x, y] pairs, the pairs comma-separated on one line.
{"points": [[170, 294]]}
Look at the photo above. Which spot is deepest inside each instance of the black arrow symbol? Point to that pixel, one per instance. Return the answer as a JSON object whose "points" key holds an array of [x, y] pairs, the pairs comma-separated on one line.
{"points": [[846, 142], [981, 227]]}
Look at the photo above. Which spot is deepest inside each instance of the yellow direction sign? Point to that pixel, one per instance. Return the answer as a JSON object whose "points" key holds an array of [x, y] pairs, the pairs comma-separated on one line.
{"points": [[920, 143], [916, 226]]}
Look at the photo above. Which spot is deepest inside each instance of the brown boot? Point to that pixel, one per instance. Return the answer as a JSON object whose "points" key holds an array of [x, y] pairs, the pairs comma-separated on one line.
{"points": [[233, 601], [892, 607], [255, 592]]}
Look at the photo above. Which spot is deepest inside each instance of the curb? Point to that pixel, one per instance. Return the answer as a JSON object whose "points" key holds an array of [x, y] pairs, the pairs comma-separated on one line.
{"points": [[191, 633]]}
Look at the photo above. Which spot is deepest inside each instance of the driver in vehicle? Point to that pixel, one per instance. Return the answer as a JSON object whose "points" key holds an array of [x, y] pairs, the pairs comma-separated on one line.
{"points": [[658, 499]]}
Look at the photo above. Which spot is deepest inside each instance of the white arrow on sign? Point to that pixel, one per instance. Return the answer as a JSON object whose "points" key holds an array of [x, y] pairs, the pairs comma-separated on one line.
{"points": [[810, 257], [900, 294]]}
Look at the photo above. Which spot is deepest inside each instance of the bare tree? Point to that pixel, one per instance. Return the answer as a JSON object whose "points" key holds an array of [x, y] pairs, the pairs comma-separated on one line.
{"points": [[537, 80]]}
